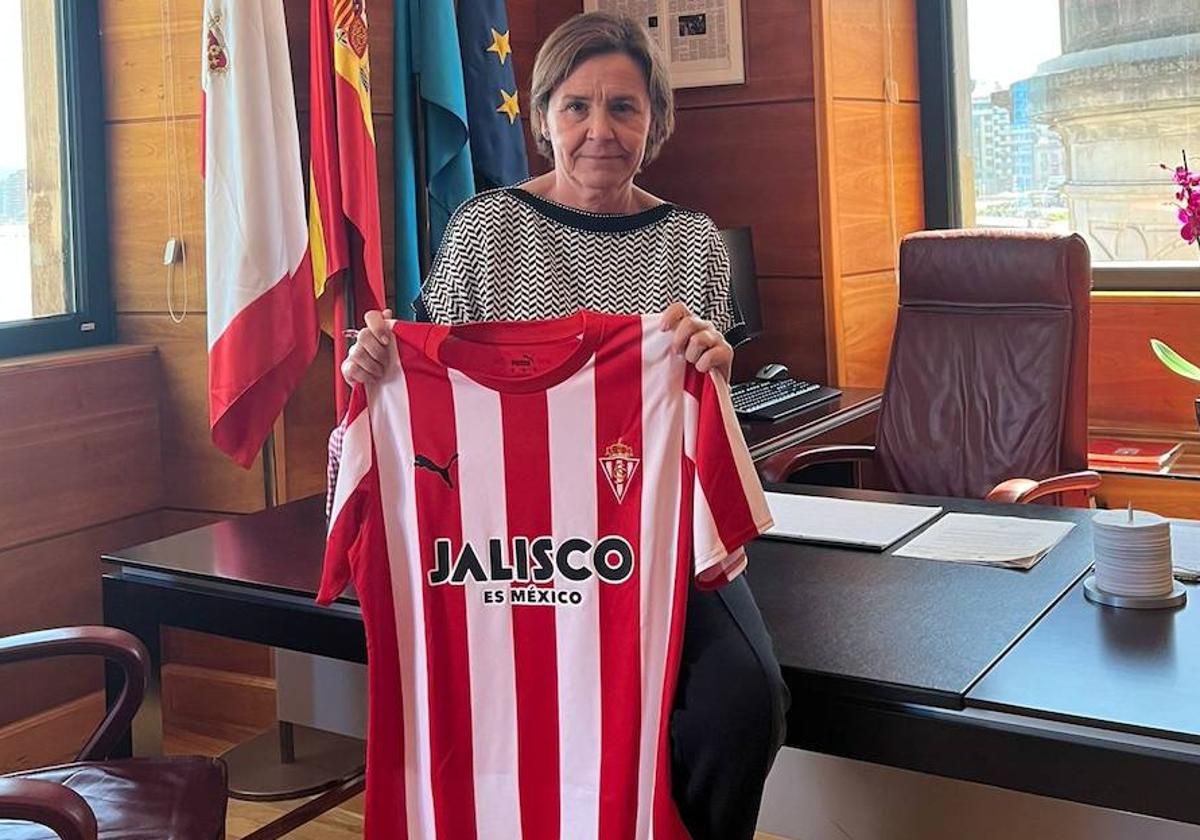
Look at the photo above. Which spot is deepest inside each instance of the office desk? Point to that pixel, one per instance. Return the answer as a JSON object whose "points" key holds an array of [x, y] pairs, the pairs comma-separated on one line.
{"points": [[882, 653]]}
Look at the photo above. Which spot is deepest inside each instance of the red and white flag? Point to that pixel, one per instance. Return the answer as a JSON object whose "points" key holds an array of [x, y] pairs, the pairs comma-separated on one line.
{"points": [[262, 317]]}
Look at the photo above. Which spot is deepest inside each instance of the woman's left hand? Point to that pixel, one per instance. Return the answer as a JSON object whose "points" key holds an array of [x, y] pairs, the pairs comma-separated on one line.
{"points": [[699, 341]]}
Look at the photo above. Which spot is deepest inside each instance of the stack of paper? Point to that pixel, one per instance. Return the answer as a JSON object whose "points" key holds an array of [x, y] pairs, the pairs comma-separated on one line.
{"points": [[1009, 541], [821, 519], [1185, 549]]}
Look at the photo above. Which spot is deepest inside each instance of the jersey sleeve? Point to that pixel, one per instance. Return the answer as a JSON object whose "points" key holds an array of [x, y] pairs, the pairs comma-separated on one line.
{"points": [[728, 505], [354, 498]]}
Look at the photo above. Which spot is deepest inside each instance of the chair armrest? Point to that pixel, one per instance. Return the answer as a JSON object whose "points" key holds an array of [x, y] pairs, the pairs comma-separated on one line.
{"points": [[778, 467], [117, 646], [55, 806], [1025, 490]]}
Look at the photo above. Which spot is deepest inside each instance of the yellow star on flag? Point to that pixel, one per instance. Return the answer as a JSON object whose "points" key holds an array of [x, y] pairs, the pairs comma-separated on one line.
{"points": [[509, 106], [500, 45]]}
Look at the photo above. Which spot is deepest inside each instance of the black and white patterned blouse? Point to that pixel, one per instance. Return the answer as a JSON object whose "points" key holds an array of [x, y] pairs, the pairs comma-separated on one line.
{"points": [[509, 255]]}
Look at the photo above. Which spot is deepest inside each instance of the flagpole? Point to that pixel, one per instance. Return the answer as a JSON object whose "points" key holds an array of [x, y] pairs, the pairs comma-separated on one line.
{"points": [[270, 489], [424, 255]]}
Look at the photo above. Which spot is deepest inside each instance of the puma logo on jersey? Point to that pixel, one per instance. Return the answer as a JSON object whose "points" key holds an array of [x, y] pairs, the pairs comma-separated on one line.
{"points": [[424, 463]]}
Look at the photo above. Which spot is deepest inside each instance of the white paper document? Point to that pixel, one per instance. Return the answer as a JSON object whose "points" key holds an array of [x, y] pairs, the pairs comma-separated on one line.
{"points": [[1185, 544], [1009, 541], [873, 525]]}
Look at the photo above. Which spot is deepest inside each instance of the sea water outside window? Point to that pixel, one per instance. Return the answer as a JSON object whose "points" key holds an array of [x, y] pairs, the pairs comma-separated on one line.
{"points": [[53, 240], [1064, 111]]}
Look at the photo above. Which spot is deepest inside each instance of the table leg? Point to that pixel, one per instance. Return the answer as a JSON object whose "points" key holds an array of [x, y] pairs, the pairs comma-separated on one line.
{"points": [[140, 619]]}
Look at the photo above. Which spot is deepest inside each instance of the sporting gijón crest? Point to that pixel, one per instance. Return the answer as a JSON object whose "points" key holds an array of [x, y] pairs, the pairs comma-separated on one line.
{"points": [[619, 465]]}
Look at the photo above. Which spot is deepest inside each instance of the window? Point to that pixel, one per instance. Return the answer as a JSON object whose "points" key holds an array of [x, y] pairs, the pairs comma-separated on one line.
{"points": [[1055, 115], [53, 235]]}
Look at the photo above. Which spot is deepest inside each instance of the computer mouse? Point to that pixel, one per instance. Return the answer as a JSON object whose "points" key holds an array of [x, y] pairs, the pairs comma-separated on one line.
{"points": [[772, 372]]}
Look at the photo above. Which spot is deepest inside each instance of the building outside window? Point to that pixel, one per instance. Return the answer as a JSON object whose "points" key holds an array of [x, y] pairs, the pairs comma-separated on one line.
{"points": [[1063, 111]]}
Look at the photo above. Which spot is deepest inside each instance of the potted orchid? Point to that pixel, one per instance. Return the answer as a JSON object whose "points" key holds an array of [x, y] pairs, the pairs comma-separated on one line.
{"points": [[1187, 198]]}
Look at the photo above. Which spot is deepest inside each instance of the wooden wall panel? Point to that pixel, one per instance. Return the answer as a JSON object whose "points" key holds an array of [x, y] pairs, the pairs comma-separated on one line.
{"points": [[858, 48], [138, 216], [217, 702], [864, 193], [76, 472], [752, 165], [551, 13], [868, 320], [198, 475], [871, 172], [308, 420], [203, 650], [1128, 386], [52, 736], [38, 389], [56, 583], [1164, 496], [134, 57], [73, 452]]}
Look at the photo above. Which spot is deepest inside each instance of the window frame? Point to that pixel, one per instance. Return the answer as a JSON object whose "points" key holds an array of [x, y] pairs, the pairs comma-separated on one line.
{"points": [[942, 174], [85, 194]]}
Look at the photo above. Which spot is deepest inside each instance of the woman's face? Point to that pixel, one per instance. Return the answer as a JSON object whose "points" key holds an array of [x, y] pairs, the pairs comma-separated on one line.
{"points": [[598, 120]]}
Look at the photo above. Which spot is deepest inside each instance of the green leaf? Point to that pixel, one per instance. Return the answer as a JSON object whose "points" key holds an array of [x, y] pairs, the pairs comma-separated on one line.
{"points": [[1174, 362]]}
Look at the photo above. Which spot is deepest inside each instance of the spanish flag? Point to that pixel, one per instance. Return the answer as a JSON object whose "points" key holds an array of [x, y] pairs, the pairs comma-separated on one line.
{"points": [[343, 212]]}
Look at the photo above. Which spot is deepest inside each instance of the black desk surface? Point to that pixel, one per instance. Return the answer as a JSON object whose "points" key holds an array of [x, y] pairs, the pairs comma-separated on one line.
{"points": [[280, 550], [1128, 670], [899, 628], [842, 619]]}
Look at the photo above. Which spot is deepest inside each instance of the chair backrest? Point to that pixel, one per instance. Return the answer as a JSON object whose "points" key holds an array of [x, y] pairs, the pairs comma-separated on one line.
{"points": [[988, 373]]}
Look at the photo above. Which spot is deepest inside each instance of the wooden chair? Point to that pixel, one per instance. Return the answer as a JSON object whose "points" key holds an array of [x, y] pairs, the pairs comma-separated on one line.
{"points": [[986, 391], [177, 798]]}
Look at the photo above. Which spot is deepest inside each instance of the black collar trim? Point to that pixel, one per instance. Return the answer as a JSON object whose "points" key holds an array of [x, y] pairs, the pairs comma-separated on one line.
{"points": [[584, 220]]}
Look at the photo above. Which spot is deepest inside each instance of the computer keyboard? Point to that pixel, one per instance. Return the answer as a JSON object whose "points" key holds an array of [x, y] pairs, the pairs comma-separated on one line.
{"points": [[760, 400]]}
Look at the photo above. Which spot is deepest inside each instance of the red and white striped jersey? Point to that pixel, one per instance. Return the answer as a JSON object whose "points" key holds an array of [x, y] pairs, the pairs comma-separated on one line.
{"points": [[519, 508]]}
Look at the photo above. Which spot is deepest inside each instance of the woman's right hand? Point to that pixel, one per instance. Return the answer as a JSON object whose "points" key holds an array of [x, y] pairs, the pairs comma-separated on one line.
{"points": [[372, 352]]}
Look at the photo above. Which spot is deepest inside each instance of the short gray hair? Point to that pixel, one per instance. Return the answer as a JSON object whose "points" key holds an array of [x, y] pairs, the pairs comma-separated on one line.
{"points": [[602, 33]]}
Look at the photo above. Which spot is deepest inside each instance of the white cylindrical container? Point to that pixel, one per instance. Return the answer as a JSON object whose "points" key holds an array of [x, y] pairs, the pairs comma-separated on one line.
{"points": [[1132, 553]]}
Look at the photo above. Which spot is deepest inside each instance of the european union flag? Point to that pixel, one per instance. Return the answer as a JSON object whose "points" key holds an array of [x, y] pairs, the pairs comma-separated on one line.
{"points": [[497, 136]]}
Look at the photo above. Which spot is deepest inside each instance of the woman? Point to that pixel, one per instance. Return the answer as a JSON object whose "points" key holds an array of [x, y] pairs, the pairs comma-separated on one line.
{"points": [[585, 236]]}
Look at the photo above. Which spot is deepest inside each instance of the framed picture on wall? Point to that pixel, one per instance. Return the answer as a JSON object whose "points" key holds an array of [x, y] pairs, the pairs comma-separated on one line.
{"points": [[702, 39]]}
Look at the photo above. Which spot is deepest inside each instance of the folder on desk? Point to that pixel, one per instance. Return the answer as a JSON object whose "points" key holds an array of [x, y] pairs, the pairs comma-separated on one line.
{"points": [[849, 522]]}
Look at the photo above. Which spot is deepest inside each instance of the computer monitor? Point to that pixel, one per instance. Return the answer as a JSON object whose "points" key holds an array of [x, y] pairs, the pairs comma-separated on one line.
{"points": [[744, 278]]}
